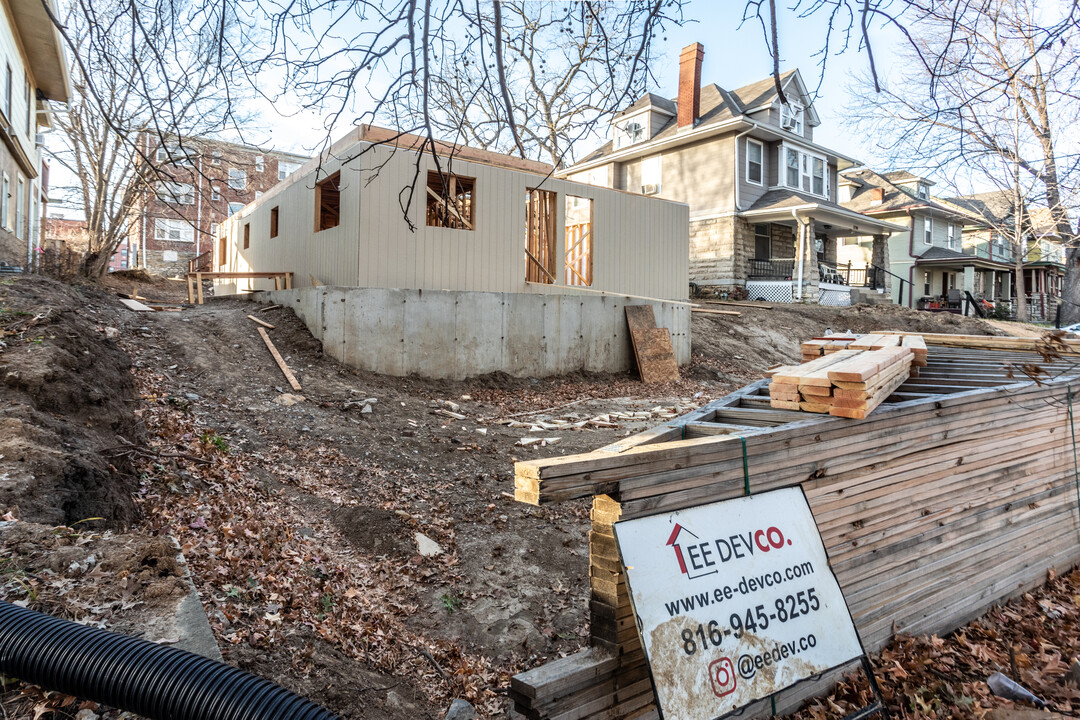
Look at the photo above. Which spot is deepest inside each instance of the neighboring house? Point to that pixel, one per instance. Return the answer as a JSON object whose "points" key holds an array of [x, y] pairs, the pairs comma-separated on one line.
{"points": [[993, 216], [64, 243], [200, 182], [33, 75], [477, 262], [930, 264], [762, 193]]}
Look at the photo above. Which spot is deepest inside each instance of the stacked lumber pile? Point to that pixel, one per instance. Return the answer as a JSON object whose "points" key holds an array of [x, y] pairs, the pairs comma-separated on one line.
{"points": [[989, 342], [926, 521], [848, 383], [816, 347]]}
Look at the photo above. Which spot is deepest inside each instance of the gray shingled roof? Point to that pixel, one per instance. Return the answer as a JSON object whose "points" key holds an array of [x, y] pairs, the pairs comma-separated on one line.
{"points": [[646, 100], [896, 198], [716, 105], [903, 176], [940, 253]]}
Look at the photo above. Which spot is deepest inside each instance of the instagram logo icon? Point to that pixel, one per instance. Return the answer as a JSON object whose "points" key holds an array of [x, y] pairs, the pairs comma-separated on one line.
{"points": [[722, 677]]}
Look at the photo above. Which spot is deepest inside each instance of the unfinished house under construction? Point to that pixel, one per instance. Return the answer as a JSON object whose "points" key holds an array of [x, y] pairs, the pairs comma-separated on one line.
{"points": [[475, 263]]}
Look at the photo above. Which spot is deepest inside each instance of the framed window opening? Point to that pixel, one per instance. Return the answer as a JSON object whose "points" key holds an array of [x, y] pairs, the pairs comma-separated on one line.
{"points": [[579, 241], [20, 193], [273, 222], [540, 239], [215, 192], [215, 158], [629, 132], [762, 241], [328, 202], [952, 235], [791, 163], [260, 163], [223, 245], [178, 193], [213, 229], [928, 230], [5, 203], [451, 201], [247, 235], [755, 161]]}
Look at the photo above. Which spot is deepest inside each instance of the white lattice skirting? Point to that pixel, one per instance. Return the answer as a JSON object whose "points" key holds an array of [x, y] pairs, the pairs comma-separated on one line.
{"points": [[778, 291], [834, 295]]}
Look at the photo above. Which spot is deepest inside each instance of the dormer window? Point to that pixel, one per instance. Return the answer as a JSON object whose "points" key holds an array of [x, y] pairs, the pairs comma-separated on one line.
{"points": [[629, 133], [923, 190], [791, 117]]}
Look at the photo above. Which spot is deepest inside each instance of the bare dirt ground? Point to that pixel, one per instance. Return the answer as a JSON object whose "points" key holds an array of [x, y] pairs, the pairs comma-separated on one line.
{"points": [[361, 545]]}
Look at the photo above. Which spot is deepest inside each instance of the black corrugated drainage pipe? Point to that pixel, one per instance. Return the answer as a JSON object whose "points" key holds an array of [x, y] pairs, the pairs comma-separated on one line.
{"points": [[155, 681]]}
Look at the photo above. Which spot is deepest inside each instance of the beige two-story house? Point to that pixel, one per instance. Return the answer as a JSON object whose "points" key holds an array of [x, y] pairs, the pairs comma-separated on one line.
{"points": [[764, 217]]}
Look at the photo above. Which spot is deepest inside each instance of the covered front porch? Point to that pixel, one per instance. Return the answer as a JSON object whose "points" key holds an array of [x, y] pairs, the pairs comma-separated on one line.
{"points": [[791, 254], [955, 285]]}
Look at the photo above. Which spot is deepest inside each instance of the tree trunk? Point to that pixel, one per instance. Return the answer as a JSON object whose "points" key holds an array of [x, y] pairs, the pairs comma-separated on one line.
{"points": [[1021, 290], [1070, 291]]}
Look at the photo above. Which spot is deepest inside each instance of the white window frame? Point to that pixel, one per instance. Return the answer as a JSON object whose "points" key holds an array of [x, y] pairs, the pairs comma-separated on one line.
{"points": [[215, 192], [237, 179], [804, 167], [173, 155], [239, 207], [928, 230], [652, 168], [5, 203], [761, 161], [172, 230], [214, 229], [951, 228], [260, 163], [177, 193], [215, 157], [258, 194], [20, 193], [624, 137], [285, 169], [792, 109], [922, 190]]}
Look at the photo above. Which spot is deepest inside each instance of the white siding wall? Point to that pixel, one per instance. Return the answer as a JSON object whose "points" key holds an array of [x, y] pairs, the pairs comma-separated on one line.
{"points": [[641, 245], [11, 54]]}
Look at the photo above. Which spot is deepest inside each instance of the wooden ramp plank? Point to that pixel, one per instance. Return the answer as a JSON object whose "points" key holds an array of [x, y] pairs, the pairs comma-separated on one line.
{"points": [[135, 305]]}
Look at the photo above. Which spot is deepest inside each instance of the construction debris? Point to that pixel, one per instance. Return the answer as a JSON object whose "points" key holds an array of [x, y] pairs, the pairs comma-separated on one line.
{"points": [[280, 361], [265, 324]]}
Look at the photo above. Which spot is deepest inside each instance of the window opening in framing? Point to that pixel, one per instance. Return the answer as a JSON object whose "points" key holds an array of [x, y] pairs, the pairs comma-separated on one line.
{"points": [[247, 235], [579, 241], [328, 202], [451, 201], [273, 222], [223, 244], [540, 211]]}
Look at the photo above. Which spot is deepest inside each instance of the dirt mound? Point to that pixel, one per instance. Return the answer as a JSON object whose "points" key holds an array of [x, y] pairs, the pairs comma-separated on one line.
{"points": [[66, 394], [729, 347]]}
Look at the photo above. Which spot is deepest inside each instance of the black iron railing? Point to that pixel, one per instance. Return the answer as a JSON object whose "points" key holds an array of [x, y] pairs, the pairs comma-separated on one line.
{"points": [[782, 269], [870, 276]]}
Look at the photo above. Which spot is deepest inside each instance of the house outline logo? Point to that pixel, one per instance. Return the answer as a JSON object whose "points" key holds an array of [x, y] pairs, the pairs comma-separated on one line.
{"points": [[673, 542]]}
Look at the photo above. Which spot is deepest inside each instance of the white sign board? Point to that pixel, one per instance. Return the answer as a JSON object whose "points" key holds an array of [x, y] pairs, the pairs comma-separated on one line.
{"points": [[734, 601]]}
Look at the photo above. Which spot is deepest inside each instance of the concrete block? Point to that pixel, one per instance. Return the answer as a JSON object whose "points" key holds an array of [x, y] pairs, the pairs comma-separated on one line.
{"points": [[525, 343], [430, 333], [480, 333]]}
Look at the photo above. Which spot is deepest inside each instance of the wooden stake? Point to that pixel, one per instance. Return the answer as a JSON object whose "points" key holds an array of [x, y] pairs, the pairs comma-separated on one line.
{"points": [[265, 324], [278, 359]]}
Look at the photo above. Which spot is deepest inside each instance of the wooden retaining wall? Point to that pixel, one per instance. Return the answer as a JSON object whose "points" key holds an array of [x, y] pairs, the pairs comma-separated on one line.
{"points": [[931, 510]]}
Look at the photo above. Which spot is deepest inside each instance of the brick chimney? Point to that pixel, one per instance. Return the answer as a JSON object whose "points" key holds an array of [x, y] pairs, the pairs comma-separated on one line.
{"points": [[690, 84], [877, 196]]}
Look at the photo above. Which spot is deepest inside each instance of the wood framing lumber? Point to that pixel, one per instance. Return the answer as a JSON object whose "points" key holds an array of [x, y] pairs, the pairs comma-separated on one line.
{"points": [[279, 360], [135, 305], [984, 342], [711, 311], [265, 324]]}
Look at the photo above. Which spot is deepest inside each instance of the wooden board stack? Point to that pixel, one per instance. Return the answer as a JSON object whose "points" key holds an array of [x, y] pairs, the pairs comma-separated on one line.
{"points": [[847, 383]]}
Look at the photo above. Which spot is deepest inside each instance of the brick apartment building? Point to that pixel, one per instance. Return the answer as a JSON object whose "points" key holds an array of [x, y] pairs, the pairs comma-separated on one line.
{"points": [[200, 183]]}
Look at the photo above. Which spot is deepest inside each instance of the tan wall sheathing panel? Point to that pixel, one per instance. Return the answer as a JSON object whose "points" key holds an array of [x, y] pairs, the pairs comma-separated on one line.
{"points": [[641, 245]]}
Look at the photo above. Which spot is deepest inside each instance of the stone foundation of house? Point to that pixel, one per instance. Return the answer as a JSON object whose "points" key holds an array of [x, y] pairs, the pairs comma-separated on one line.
{"points": [[168, 262]]}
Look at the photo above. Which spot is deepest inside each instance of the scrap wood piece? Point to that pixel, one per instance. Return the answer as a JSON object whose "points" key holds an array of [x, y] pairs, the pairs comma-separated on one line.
{"points": [[653, 350], [710, 311], [655, 355], [135, 305], [279, 360], [315, 281], [265, 324], [269, 307]]}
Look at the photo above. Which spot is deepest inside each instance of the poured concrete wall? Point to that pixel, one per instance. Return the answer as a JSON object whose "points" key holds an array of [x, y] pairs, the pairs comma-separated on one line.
{"points": [[454, 334]]}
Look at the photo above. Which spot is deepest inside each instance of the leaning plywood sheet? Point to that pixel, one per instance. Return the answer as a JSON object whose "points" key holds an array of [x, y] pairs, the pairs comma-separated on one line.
{"points": [[653, 350]]}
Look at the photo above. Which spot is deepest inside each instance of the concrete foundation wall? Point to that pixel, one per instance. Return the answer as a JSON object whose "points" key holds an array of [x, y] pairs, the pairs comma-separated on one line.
{"points": [[457, 334]]}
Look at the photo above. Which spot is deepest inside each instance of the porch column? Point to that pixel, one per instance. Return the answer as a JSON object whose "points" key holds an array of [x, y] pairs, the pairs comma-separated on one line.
{"points": [[1006, 286], [811, 275], [880, 257], [969, 283]]}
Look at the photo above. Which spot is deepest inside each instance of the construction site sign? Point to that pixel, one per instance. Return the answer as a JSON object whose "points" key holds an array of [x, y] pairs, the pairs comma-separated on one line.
{"points": [[734, 601]]}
